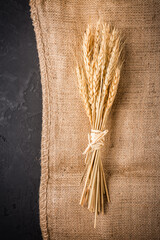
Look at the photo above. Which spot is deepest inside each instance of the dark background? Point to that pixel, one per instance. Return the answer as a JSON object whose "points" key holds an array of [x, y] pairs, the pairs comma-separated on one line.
{"points": [[20, 123]]}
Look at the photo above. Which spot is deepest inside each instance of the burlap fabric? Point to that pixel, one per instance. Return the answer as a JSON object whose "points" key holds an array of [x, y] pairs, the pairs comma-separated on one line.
{"points": [[131, 152]]}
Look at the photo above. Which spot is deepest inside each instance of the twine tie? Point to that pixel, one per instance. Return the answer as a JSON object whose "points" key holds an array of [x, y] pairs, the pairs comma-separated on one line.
{"points": [[96, 140]]}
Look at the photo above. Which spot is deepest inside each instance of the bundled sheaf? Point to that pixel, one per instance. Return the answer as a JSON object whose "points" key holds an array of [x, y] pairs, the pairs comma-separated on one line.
{"points": [[98, 76]]}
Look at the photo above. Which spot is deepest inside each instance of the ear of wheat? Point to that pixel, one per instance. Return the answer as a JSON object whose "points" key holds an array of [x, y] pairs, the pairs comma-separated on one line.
{"points": [[98, 77]]}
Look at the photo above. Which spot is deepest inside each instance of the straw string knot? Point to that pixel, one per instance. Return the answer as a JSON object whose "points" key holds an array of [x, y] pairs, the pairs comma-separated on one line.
{"points": [[95, 139]]}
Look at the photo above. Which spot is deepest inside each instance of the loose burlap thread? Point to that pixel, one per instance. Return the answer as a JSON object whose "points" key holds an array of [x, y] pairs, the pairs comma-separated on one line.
{"points": [[131, 150]]}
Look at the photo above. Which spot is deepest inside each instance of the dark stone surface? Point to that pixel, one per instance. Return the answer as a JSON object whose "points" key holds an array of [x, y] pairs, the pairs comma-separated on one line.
{"points": [[20, 123]]}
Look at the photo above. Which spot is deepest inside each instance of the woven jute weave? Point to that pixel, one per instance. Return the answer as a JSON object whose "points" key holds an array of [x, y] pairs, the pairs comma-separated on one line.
{"points": [[131, 152]]}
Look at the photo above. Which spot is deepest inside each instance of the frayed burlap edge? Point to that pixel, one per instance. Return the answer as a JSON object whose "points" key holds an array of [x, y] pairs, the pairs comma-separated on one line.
{"points": [[45, 119]]}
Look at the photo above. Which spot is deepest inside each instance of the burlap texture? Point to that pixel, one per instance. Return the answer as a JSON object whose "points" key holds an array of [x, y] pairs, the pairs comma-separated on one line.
{"points": [[131, 152]]}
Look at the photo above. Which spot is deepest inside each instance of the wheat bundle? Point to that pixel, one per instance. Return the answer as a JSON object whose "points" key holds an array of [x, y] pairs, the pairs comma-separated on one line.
{"points": [[98, 76]]}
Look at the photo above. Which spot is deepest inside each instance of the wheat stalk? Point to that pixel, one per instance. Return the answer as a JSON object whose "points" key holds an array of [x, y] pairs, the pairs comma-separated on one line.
{"points": [[84, 91], [98, 79]]}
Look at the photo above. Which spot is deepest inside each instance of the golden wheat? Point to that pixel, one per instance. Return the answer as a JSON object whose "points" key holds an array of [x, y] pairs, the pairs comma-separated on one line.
{"points": [[98, 79], [83, 91]]}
